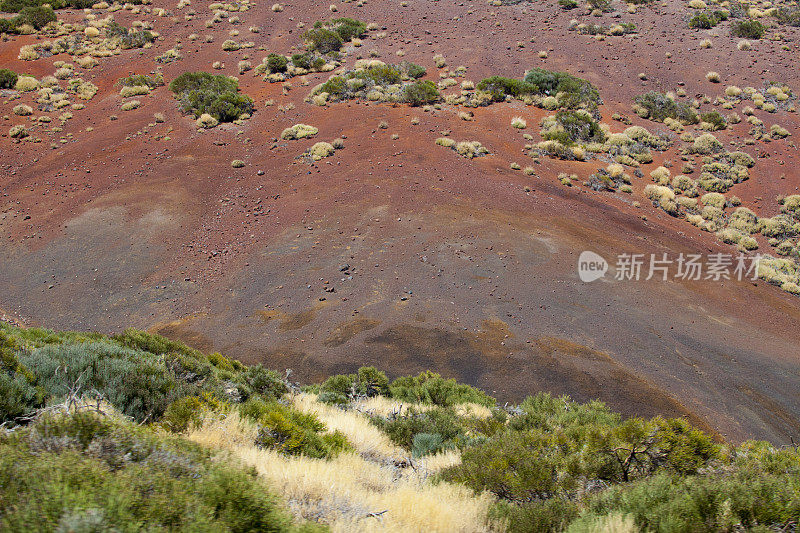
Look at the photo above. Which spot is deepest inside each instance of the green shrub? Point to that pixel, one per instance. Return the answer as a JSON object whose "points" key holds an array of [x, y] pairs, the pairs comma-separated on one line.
{"points": [[192, 81], [557, 448], [38, 16], [431, 388], [568, 4], [440, 426], [307, 61], [129, 38], [139, 387], [575, 127], [182, 414], [412, 70], [548, 516], [544, 411], [322, 40], [277, 63], [201, 92], [15, 6], [302, 60], [384, 81], [658, 107], [333, 398], [139, 80], [706, 20], [367, 382], [381, 75], [421, 92], [499, 87], [715, 119], [18, 397], [345, 28], [292, 432], [267, 383], [426, 444], [703, 21], [748, 29], [147, 377], [8, 78], [788, 15], [602, 5], [148, 342], [517, 467], [88, 473], [748, 497], [336, 86], [572, 92]]}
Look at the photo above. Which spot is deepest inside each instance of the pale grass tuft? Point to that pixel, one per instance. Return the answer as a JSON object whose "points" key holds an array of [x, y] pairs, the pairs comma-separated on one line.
{"points": [[367, 439], [342, 491], [440, 461], [611, 523], [472, 409], [26, 84], [385, 407], [381, 405], [519, 123]]}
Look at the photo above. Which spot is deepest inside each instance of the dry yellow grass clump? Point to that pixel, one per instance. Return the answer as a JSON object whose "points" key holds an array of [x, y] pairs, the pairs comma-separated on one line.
{"points": [[368, 440], [347, 492], [383, 406]]}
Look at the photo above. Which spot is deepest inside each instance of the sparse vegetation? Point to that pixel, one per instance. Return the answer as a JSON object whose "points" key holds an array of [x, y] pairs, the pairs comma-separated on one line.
{"points": [[660, 107], [141, 80], [135, 432], [788, 15], [567, 90], [327, 37], [90, 472], [570, 127], [130, 38], [377, 81], [34, 17]]}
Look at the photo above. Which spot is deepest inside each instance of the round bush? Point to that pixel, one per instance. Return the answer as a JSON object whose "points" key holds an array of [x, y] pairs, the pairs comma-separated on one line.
{"points": [[421, 93], [8, 78]]}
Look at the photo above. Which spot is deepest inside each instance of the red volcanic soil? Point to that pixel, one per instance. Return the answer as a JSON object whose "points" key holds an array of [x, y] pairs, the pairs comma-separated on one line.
{"points": [[396, 252]]}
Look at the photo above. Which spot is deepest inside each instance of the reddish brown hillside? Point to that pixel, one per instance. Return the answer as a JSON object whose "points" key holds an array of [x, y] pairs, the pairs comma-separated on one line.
{"points": [[395, 251]]}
